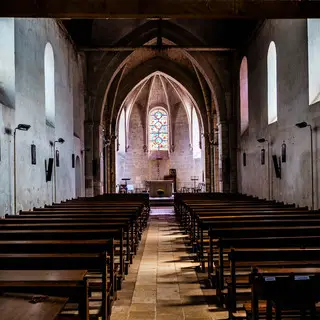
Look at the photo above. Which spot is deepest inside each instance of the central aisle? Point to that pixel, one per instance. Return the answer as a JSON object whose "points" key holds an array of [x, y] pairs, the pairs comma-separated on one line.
{"points": [[162, 283]]}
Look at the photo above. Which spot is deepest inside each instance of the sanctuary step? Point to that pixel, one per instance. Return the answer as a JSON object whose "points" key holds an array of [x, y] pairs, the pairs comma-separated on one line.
{"points": [[161, 201]]}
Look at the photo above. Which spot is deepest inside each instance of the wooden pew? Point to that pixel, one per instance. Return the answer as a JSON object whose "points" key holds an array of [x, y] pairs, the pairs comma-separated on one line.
{"points": [[246, 258], [204, 223], [60, 262], [72, 229], [65, 283], [18, 306], [131, 228], [286, 289]]}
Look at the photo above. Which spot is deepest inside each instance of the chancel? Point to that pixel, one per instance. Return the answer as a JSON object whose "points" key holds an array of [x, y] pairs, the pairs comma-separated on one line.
{"points": [[159, 160]]}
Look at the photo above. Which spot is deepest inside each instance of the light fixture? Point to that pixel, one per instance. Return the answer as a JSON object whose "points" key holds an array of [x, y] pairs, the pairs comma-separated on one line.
{"points": [[302, 125], [21, 127], [263, 140], [60, 140]]}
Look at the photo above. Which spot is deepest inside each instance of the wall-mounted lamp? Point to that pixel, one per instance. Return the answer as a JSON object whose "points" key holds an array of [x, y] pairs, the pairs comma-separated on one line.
{"points": [[263, 140], [283, 152], [21, 127], [302, 125], [55, 164]]}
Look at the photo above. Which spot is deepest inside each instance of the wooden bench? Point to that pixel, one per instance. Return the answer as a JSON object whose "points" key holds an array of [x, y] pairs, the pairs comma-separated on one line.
{"points": [[65, 283], [26, 306], [288, 289], [245, 259]]}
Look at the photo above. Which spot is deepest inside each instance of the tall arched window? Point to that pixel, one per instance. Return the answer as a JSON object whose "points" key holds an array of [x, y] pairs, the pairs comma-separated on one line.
{"points": [[272, 83], [158, 129], [244, 108], [49, 85], [122, 131], [313, 60], [195, 135]]}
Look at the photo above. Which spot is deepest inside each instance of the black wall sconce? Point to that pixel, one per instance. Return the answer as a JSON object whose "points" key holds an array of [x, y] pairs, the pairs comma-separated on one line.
{"points": [[33, 154], [263, 156], [73, 160], [244, 159], [284, 152]]}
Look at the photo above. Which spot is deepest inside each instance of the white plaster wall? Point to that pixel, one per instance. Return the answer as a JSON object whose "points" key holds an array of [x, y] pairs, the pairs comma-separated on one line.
{"points": [[290, 37], [30, 38]]}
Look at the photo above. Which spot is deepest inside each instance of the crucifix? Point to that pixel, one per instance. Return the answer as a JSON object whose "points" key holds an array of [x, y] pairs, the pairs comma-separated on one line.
{"points": [[158, 167]]}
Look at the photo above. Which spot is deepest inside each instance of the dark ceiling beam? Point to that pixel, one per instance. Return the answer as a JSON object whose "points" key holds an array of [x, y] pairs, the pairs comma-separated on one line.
{"points": [[156, 48], [221, 9]]}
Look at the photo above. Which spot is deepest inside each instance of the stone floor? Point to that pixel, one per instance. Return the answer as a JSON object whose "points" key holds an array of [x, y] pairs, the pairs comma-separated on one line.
{"points": [[162, 283]]}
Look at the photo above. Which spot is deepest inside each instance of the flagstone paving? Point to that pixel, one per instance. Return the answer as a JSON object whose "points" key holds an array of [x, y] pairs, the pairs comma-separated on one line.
{"points": [[162, 283]]}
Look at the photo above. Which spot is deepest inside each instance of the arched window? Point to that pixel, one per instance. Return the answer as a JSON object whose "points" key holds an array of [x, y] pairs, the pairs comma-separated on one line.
{"points": [[49, 85], [195, 135], [122, 132], [272, 83], [244, 108], [313, 60], [158, 129]]}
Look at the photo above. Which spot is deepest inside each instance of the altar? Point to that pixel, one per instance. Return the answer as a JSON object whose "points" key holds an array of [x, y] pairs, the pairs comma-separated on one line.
{"points": [[165, 185]]}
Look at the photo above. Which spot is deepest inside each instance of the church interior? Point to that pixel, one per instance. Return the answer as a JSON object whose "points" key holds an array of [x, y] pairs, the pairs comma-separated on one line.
{"points": [[159, 160]]}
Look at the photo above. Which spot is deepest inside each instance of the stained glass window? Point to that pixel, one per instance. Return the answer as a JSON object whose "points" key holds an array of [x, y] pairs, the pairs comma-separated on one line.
{"points": [[158, 134]]}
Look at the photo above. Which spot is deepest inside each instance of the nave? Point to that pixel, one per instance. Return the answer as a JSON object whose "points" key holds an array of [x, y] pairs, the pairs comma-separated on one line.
{"points": [[163, 283]]}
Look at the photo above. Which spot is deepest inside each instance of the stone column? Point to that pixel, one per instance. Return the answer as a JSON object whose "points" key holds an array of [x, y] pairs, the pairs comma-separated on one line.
{"points": [[224, 157], [98, 165], [110, 163], [88, 155], [208, 164]]}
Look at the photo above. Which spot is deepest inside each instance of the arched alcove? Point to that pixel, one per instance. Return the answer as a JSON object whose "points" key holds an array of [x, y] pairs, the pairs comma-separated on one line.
{"points": [[155, 98], [49, 81]]}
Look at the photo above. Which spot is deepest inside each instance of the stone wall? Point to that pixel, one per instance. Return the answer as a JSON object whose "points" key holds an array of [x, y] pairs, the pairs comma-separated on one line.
{"points": [[30, 39], [135, 163], [290, 37]]}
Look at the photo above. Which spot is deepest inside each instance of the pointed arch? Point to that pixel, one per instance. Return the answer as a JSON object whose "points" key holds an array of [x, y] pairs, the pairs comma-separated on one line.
{"points": [[272, 83], [244, 105]]}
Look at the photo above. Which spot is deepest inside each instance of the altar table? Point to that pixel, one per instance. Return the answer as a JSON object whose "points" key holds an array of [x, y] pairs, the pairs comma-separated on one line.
{"points": [[165, 185]]}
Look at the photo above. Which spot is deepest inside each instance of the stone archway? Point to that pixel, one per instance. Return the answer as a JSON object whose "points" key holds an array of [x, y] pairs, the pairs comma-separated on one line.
{"points": [[112, 83], [184, 144]]}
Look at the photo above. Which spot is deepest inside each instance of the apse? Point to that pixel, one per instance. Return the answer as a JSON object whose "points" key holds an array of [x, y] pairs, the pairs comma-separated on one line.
{"points": [[159, 131]]}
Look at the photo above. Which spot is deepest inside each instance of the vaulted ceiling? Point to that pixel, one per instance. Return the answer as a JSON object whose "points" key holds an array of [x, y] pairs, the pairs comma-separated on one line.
{"points": [[103, 33]]}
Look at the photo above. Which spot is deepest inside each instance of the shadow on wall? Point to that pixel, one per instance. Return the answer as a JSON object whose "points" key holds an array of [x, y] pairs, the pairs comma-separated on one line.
{"points": [[4, 99], [302, 187]]}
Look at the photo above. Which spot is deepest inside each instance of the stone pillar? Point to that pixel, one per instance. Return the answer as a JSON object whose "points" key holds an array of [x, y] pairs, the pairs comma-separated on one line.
{"points": [[224, 157], [88, 154], [113, 150], [110, 163], [208, 164], [98, 165]]}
